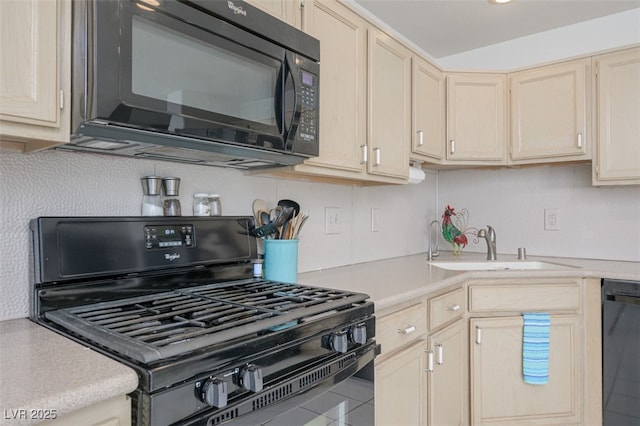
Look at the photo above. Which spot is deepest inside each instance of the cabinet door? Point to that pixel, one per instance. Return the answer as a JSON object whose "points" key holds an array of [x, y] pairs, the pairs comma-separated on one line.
{"points": [[617, 156], [447, 387], [35, 56], [476, 118], [399, 385], [389, 118], [285, 10], [499, 395], [343, 39], [427, 106], [549, 110]]}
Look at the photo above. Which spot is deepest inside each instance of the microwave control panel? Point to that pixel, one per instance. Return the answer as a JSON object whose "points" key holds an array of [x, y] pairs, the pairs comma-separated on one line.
{"points": [[308, 125]]}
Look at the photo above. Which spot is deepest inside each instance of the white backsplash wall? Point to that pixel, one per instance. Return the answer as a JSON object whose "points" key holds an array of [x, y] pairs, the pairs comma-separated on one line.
{"points": [[594, 222], [55, 183]]}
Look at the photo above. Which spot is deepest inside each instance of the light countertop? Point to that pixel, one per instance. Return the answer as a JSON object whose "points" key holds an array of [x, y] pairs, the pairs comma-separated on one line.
{"points": [[393, 281], [42, 370]]}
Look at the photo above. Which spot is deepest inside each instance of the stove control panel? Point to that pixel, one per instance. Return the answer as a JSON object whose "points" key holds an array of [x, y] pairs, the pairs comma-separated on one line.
{"points": [[168, 236]]}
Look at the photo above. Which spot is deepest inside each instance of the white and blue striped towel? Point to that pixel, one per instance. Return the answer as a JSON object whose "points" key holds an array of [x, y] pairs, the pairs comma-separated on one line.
{"points": [[535, 347]]}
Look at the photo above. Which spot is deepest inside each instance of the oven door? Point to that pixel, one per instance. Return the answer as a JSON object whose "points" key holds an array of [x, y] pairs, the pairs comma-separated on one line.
{"points": [[176, 69], [350, 402]]}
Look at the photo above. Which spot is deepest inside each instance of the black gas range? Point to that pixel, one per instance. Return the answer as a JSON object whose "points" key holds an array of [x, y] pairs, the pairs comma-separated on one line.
{"points": [[175, 299]]}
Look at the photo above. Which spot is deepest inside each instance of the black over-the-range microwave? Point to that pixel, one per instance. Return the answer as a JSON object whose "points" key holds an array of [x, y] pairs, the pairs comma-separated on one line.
{"points": [[200, 81]]}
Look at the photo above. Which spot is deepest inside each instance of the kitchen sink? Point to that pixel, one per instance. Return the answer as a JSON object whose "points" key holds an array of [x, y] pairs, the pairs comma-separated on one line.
{"points": [[492, 265]]}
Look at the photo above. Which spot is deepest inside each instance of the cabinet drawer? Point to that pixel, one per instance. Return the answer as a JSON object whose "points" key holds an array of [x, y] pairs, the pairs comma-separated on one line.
{"points": [[515, 297], [445, 308], [401, 327]]}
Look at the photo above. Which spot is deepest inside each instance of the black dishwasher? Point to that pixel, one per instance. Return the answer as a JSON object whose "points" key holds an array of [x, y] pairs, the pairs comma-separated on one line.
{"points": [[621, 352]]}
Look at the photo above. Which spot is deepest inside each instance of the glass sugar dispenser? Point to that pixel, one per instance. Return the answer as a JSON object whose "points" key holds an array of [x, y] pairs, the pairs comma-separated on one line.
{"points": [[152, 196]]}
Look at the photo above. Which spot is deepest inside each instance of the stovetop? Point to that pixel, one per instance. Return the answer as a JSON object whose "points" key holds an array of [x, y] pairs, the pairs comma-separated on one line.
{"points": [[169, 324]]}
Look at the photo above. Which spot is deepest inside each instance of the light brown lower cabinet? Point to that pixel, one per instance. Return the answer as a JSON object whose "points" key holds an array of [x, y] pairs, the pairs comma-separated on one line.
{"points": [[447, 385], [499, 394], [465, 367], [399, 387]]}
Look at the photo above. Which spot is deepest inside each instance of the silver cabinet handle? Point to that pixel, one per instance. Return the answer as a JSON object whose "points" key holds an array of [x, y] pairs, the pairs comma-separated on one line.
{"points": [[377, 161], [580, 140], [365, 154], [408, 330], [420, 138], [429, 368], [453, 308], [452, 143], [478, 335], [439, 354]]}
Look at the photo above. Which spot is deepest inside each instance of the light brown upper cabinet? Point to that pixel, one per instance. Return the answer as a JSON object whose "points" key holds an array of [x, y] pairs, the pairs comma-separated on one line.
{"points": [[476, 119], [617, 118], [343, 89], [389, 106], [549, 108], [349, 149], [427, 107], [35, 78]]}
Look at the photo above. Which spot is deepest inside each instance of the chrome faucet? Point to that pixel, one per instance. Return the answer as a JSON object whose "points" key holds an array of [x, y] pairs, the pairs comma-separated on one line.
{"points": [[489, 235], [433, 253]]}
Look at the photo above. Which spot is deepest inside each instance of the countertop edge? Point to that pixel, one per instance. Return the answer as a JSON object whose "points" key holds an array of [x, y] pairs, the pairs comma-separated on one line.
{"points": [[423, 279]]}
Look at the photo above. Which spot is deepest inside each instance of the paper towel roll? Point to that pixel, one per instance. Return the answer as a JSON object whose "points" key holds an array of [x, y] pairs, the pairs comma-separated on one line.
{"points": [[416, 175]]}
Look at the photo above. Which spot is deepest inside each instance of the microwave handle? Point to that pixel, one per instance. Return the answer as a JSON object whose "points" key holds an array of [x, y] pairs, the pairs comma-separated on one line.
{"points": [[291, 127], [278, 99]]}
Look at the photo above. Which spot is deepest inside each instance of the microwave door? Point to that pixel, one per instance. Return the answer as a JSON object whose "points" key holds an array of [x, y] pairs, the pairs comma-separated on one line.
{"points": [[173, 76]]}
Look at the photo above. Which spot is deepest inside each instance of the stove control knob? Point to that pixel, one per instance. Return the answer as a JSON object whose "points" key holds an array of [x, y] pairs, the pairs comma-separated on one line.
{"points": [[251, 378], [359, 334], [214, 392], [339, 342]]}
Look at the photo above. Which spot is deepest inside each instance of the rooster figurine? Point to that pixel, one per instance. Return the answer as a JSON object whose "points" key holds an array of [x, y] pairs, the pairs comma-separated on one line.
{"points": [[454, 228]]}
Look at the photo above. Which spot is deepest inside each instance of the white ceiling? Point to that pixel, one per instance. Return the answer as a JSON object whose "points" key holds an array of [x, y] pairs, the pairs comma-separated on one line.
{"points": [[447, 27]]}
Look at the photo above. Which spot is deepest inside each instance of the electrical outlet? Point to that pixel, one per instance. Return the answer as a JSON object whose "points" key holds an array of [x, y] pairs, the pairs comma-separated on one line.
{"points": [[332, 220], [375, 220], [551, 220]]}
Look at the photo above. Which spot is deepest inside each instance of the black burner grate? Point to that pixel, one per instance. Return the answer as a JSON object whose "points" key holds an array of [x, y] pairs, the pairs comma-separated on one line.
{"points": [[153, 327]]}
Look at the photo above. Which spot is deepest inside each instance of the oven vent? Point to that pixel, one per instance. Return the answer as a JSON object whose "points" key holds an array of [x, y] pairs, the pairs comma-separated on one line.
{"points": [[315, 376], [223, 417], [273, 396], [347, 360]]}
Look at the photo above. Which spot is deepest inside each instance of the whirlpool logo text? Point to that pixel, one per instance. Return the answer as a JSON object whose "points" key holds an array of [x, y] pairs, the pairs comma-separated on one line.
{"points": [[171, 256], [238, 10]]}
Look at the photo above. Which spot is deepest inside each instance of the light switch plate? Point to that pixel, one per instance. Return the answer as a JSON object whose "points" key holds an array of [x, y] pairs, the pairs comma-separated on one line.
{"points": [[332, 220], [551, 220]]}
